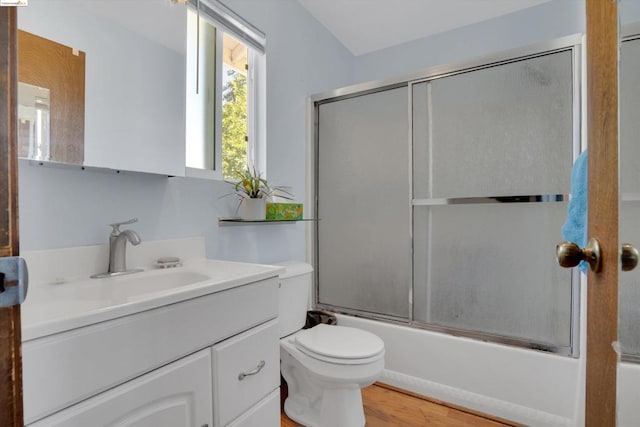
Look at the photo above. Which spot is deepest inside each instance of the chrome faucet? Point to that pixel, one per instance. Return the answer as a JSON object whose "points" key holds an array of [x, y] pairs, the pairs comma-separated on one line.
{"points": [[117, 249]]}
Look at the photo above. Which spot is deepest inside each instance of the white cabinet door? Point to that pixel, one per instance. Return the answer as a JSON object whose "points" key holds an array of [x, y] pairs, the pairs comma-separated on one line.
{"points": [[176, 395]]}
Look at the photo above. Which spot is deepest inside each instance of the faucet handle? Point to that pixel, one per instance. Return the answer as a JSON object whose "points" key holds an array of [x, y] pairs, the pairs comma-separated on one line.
{"points": [[116, 226]]}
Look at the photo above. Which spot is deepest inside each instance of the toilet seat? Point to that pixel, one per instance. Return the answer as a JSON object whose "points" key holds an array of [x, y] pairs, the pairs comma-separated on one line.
{"points": [[339, 344]]}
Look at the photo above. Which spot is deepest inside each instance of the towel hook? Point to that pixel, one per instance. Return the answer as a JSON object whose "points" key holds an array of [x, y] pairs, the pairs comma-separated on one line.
{"points": [[569, 255]]}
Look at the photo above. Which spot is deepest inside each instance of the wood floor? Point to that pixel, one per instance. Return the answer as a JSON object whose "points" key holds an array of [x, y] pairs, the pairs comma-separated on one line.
{"points": [[385, 407]]}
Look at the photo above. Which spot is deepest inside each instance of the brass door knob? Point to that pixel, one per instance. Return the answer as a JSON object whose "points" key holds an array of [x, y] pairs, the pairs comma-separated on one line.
{"points": [[569, 255], [628, 257]]}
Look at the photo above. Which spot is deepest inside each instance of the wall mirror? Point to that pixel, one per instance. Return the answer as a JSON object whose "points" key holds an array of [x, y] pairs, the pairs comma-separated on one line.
{"points": [[34, 136], [116, 99]]}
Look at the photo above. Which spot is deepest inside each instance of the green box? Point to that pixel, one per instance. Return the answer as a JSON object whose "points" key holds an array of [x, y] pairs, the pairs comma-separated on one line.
{"points": [[284, 211]]}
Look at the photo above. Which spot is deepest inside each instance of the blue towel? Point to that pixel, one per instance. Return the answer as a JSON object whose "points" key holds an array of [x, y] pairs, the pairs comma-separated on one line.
{"points": [[575, 227]]}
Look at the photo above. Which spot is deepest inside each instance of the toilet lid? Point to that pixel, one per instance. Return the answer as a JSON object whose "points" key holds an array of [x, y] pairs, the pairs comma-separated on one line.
{"points": [[339, 342]]}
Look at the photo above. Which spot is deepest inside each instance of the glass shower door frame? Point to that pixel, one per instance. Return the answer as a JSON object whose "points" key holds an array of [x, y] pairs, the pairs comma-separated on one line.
{"points": [[629, 33], [571, 43]]}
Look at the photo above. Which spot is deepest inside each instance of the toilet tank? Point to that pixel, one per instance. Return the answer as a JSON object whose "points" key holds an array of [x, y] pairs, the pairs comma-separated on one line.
{"points": [[294, 296]]}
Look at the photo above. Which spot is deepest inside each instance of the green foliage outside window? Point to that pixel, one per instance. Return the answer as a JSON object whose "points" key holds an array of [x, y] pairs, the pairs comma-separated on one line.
{"points": [[234, 126]]}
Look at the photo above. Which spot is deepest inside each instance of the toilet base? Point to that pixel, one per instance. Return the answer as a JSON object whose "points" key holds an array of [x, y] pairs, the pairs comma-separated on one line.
{"points": [[340, 407], [324, 366], [323, 394]]}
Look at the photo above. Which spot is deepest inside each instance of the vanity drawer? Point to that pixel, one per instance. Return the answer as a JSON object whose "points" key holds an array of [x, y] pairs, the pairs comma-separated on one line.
{"points": [[245, 369], [265, 413]]}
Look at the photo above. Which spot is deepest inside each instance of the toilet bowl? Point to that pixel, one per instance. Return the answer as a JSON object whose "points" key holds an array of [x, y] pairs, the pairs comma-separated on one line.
{"points": [[325, 377], [325, 366]]}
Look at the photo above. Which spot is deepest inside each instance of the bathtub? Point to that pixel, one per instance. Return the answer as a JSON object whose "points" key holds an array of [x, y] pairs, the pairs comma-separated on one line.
{"points": [[529, 387]]}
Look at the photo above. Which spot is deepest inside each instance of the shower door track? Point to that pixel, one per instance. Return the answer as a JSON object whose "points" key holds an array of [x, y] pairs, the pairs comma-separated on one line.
{"points": [[456, 332]]}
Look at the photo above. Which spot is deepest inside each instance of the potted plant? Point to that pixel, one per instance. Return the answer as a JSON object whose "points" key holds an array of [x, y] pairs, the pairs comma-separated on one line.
{"points": [[254, 191]]}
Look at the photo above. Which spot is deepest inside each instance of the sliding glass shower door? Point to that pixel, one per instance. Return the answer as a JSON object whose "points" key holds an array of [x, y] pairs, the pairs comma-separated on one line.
{"points": [[438, 199], [629, 98], [492, 156], [363, 235]]}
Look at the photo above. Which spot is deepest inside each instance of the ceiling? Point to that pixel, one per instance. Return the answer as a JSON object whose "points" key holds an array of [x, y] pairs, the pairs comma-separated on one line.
{"points": [[365, 26]]}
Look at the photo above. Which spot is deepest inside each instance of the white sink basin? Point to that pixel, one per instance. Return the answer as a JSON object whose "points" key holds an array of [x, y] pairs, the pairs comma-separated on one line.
{"points": [[136, 286], [52, 308]]}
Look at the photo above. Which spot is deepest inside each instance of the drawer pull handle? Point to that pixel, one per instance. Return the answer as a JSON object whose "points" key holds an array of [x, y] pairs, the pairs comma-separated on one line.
{"points": [[254, 371]]}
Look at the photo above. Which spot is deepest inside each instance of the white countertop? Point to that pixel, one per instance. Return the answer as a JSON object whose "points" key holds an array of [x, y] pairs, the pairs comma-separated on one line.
{"points": [[54, 308]]}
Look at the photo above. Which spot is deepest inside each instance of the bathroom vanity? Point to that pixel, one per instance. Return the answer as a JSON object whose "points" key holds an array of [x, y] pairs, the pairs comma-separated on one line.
{"points": [[190, 346]]}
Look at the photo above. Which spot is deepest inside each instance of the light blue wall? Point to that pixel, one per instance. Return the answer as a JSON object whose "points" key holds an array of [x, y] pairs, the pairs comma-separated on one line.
{"points": [[550, 20], [63, 208]]}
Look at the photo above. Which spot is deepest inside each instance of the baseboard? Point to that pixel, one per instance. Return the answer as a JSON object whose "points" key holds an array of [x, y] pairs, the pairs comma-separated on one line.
{"points": [[499, 409]]}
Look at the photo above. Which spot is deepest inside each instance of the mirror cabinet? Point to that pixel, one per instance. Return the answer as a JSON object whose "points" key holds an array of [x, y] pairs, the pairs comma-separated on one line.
{"points": [[102, 84]]}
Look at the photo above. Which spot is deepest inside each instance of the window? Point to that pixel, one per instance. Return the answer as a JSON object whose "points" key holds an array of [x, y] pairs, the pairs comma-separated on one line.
{"points": [[225, 76], [235, 64]]}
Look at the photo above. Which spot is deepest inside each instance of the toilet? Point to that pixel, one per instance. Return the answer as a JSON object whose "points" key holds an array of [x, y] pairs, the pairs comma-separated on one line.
{"points": [[325, 366]]}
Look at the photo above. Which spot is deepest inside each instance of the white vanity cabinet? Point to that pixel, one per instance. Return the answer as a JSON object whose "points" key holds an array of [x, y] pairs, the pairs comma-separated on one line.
{"points": [[171, 366]]}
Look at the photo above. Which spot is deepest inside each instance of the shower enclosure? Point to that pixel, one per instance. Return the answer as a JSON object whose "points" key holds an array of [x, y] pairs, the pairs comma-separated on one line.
{"points": [[441, 196]]}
